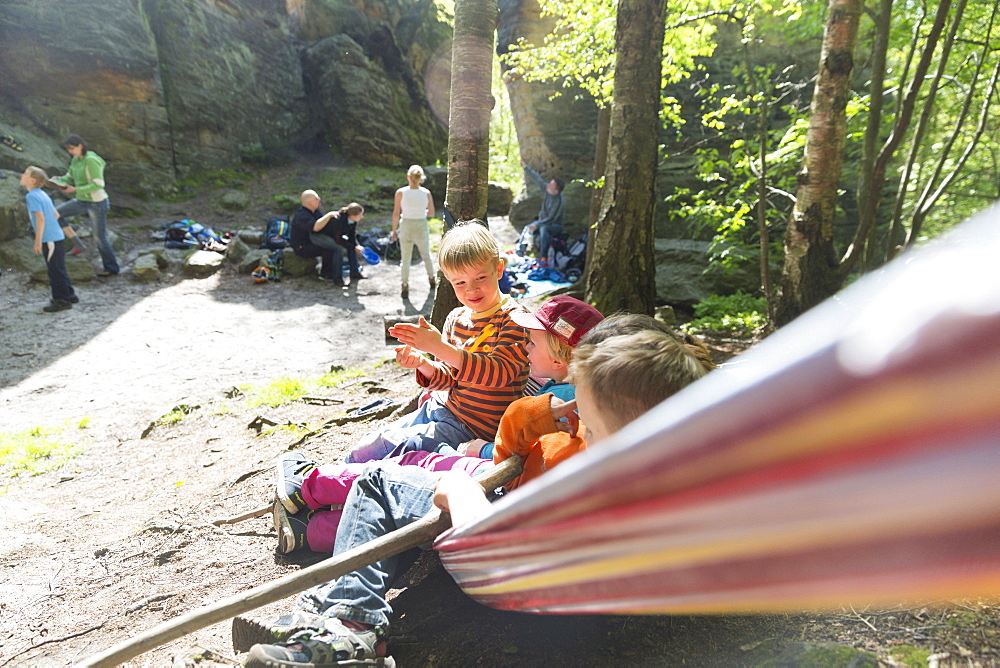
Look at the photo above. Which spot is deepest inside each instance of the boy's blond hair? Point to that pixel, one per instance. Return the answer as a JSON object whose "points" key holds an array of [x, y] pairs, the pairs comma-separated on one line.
{"points": [[558, 349], [468, 244], [37, 175], [627, 375]]}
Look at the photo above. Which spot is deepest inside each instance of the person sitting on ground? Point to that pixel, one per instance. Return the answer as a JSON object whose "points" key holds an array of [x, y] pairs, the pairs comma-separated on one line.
{"points": [[306, 225], [551, 217], [411, 208], [310, 496], [344, 622], [481, 364]]}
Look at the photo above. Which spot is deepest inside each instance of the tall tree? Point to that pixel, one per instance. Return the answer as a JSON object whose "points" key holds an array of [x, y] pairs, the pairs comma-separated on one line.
{"points": [[622, 273], [811, 272], [468, 124]]}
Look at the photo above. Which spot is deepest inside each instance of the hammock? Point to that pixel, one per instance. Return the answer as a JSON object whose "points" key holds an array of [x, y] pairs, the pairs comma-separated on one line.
{"points": [[852, 457]]}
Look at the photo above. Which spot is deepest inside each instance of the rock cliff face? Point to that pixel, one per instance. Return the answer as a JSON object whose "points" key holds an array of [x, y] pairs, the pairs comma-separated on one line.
{"points": [[161, 88], [231, 78]]}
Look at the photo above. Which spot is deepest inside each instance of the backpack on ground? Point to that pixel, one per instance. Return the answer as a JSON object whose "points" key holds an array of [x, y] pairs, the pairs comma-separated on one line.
{"points": [[277, 233]]}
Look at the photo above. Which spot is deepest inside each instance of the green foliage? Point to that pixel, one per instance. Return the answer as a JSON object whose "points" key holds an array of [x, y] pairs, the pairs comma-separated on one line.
{"points": [[908, 655], [505, 165], [286, 390], [738, 315], [38, 449]]}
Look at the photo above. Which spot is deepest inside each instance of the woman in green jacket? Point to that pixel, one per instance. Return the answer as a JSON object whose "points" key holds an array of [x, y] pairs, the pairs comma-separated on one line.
{"points": [[85, 180]]}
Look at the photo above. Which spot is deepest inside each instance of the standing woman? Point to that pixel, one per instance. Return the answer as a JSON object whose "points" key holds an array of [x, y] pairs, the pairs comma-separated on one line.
{"points": [[410, 211], [85, 180]]}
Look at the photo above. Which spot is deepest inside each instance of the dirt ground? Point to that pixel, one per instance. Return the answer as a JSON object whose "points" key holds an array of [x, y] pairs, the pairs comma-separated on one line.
{"points": [[121, 538]]}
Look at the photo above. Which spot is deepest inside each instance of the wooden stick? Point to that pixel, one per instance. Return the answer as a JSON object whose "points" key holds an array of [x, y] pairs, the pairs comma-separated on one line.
{"points": [[410, 536], [263, 510]]}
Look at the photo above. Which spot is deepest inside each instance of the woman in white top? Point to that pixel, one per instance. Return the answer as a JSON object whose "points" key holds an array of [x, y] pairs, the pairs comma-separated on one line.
{"points": [[412, 206]]}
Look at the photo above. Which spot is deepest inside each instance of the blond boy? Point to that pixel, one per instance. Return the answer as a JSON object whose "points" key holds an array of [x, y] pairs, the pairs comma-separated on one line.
{"points": [[480, 361], [49, 239]]}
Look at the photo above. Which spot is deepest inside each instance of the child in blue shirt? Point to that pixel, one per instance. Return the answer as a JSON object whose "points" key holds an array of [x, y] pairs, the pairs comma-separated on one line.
{"points": [[48, 239]]}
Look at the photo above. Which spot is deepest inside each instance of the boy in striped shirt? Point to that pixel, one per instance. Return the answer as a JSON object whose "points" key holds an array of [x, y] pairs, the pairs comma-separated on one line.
{"points": [[481, 360]]}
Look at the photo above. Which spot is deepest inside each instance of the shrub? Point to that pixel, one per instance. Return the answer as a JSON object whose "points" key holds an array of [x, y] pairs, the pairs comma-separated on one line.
{"points": [[739, 314]]}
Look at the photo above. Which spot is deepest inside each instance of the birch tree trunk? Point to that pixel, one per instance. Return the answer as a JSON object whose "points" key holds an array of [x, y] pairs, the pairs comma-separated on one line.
{"points": [[811, 270], [468, 124], [621, 273]]}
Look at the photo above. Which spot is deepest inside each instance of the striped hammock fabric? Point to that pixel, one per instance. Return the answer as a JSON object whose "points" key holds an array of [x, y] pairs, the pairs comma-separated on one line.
{"points": [[851, 458]]}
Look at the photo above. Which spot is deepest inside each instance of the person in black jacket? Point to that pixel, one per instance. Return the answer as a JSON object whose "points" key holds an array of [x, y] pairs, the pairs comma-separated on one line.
{"points": [[307, 238], [343, 230]]}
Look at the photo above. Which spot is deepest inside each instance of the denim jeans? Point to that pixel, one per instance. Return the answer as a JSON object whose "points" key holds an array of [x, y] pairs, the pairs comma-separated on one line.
{"points": [[326, 241], [98, 214], [546, 235], [423, 429], [385, 497]]}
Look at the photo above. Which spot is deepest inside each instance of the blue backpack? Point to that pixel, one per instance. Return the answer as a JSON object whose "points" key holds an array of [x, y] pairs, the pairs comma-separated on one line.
{"points": [[277, 233]]}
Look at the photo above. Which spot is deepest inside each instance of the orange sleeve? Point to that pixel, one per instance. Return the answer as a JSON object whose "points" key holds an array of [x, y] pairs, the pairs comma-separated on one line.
{"points": [[527, 429]]}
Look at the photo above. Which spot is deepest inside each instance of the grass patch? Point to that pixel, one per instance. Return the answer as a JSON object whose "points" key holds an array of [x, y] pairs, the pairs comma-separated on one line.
{"points": [[738, 315], [285, 390], [909, 655], [38, 449]]}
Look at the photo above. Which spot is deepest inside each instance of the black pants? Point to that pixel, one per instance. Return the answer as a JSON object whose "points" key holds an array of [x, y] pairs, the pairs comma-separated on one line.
{"points": [[55, 263]]}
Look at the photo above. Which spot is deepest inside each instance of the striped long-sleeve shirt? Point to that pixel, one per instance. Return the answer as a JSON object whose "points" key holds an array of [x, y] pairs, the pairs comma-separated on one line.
{"points": [[494, 366]]}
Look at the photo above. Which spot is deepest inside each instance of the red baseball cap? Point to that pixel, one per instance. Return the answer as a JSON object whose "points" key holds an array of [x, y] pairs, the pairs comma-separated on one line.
{"points": [[564, 317]]}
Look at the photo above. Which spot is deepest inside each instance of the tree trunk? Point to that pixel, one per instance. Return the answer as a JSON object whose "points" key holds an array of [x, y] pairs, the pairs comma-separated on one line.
{"points": [[810, 273], [468, 124], [600, 165], [622, 273]]}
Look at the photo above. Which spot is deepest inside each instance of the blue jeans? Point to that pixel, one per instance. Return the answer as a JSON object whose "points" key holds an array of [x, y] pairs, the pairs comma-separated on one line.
{"points": [[424, 429], [546, 235], [326, 241], [385, 497], [98, 214]]}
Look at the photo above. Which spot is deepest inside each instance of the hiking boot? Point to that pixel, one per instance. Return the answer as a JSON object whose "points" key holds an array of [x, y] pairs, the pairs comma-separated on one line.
{"points": [[250, 631], [291, 528], [291, 469], [405, 292], [57, 305], [333, 645]]}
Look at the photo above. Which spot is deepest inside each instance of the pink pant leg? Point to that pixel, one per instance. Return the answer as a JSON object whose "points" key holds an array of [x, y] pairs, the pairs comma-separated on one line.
{"points": [[321, 531], [328, 485], [433, 461]]}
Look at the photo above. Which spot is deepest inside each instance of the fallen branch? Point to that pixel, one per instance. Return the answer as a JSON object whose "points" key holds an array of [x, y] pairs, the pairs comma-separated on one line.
{"points": [[413, 535], [259, 512]]}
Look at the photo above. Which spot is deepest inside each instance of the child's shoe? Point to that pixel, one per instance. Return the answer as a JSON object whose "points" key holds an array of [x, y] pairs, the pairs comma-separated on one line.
{"points": [[334, 645], [291, 528], [249, 631], [292, 468]]}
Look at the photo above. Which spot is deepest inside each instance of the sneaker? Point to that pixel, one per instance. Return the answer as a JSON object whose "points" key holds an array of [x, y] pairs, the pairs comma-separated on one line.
{"points": [[74, 300], [358, 277], [291, 528], [333, 645], [405, 292], [105, 273], [250, 631], [432, 283], [57, 305], [291, 470]]}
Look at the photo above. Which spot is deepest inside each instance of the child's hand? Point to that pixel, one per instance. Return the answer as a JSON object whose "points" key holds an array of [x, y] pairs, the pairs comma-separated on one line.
{"points": [[472, 448], [460, 495], [37, 247], [565, 409], [423, 336], [407, 358]]}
